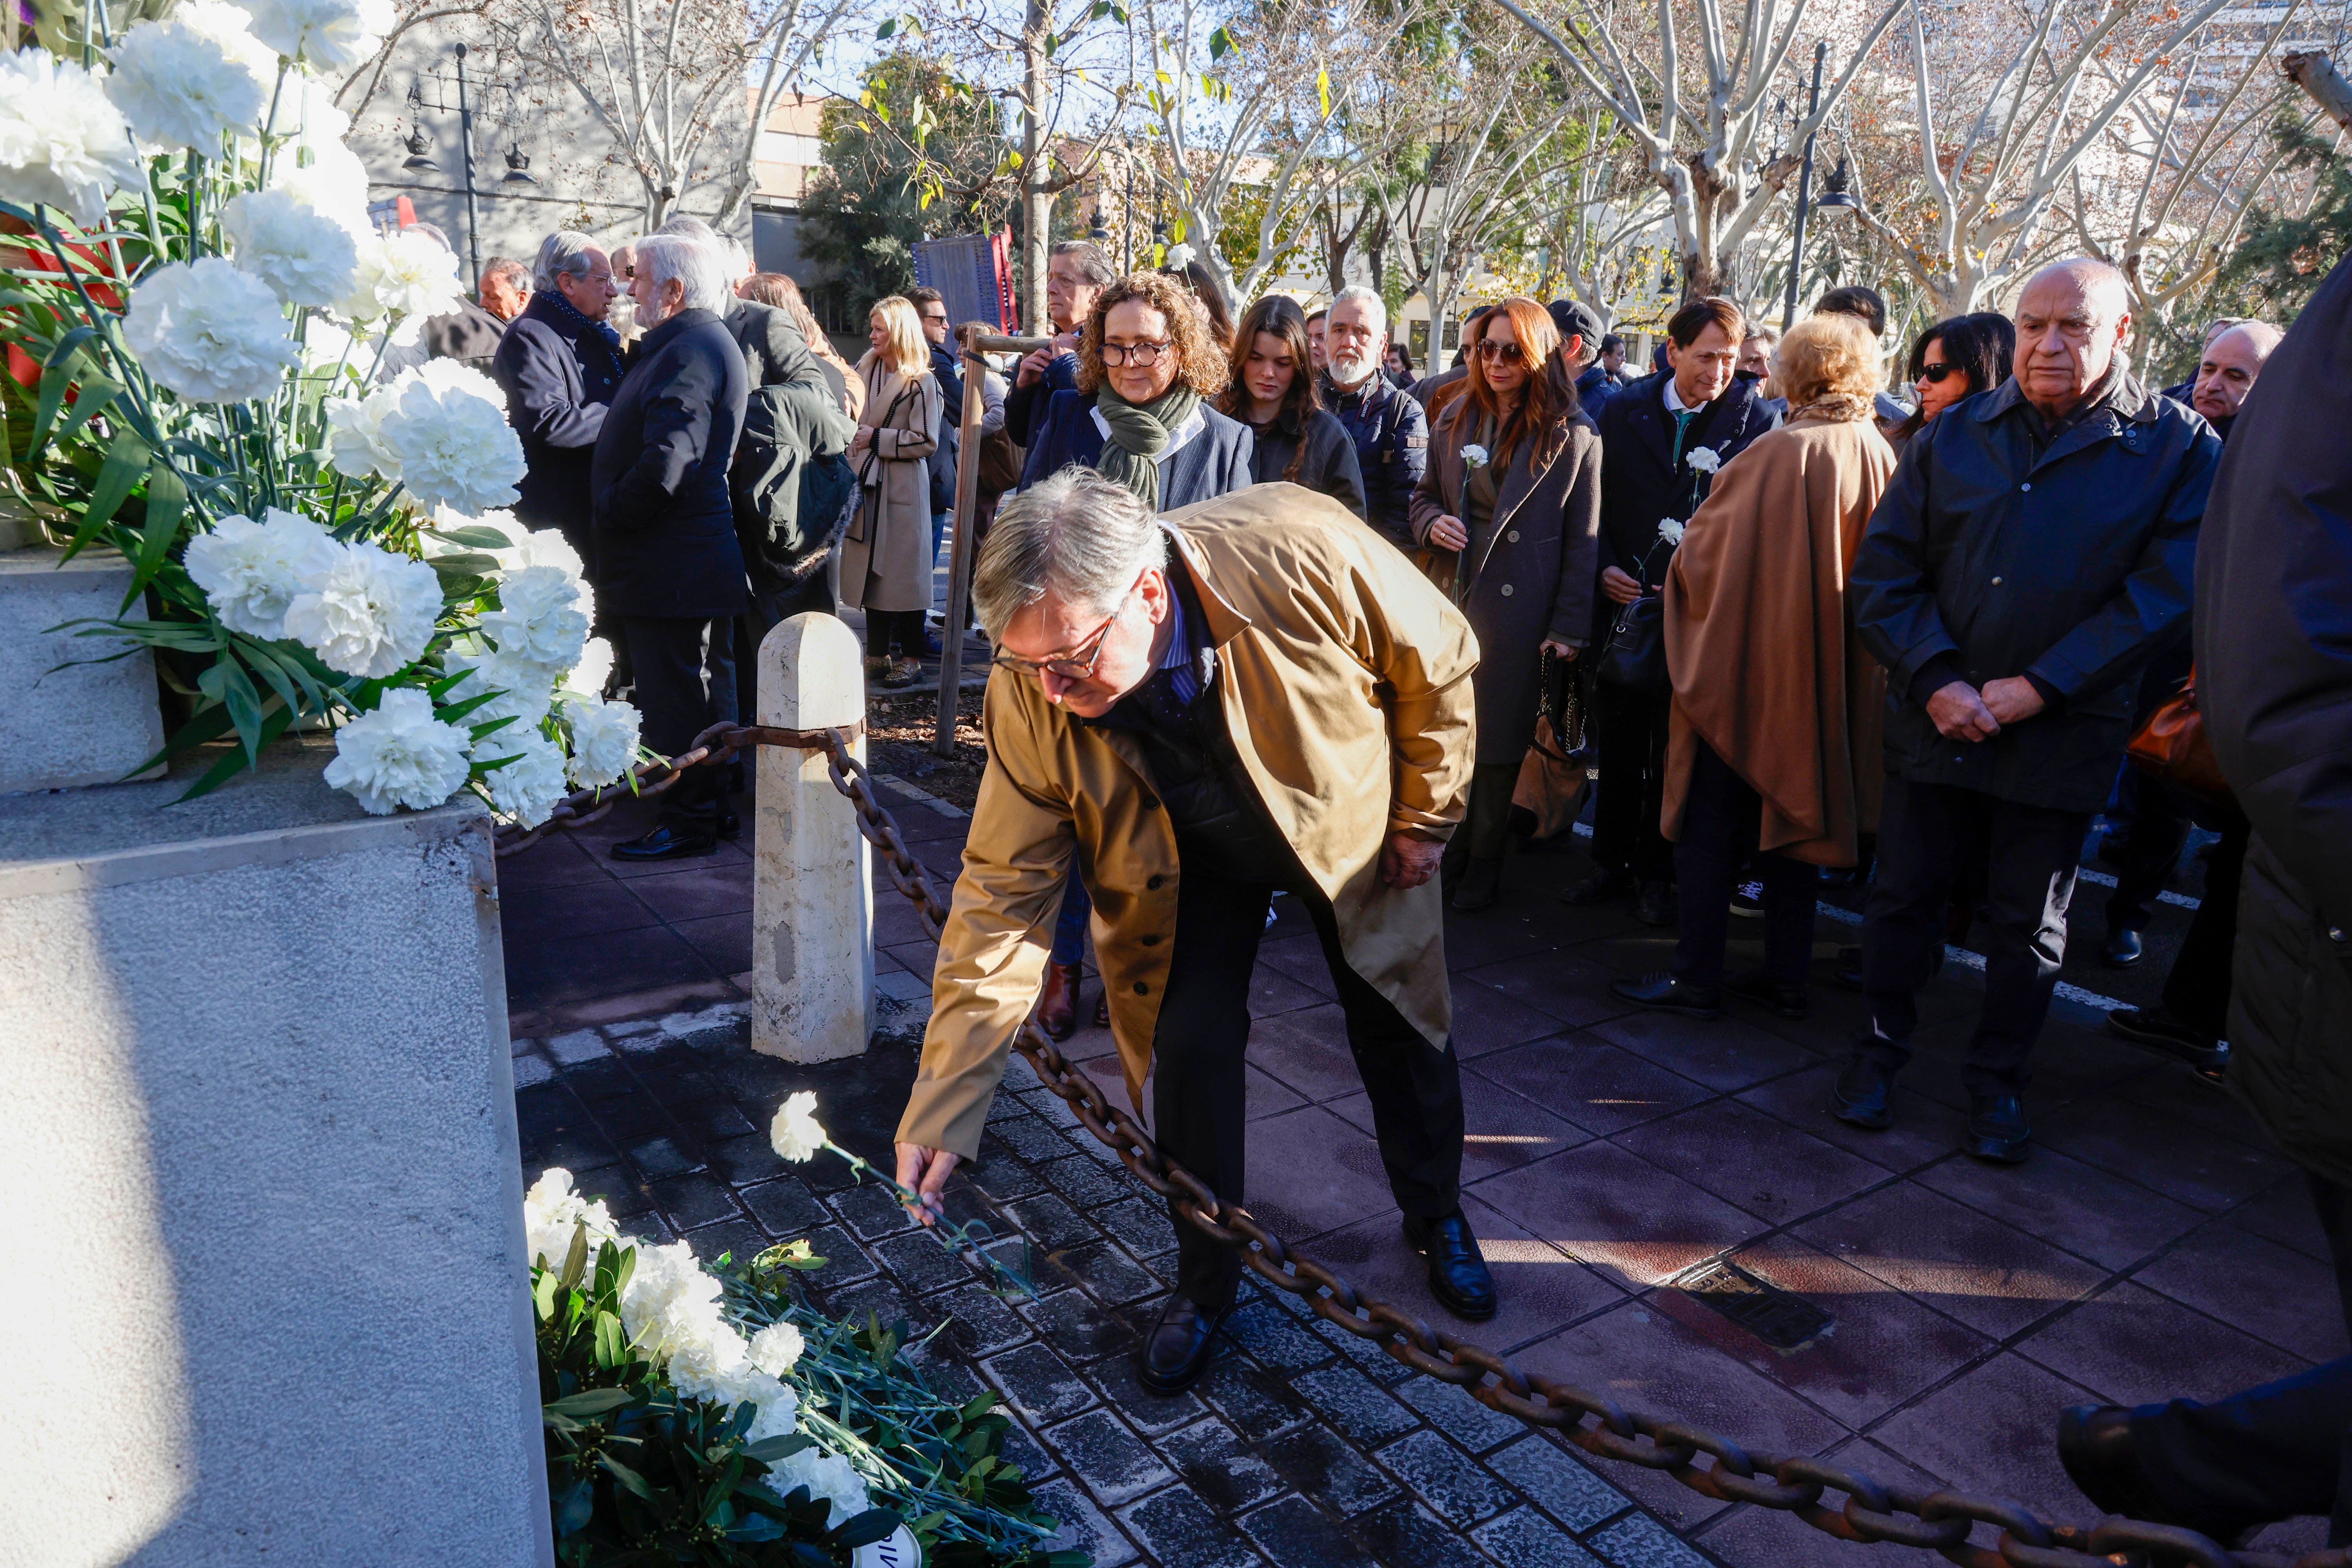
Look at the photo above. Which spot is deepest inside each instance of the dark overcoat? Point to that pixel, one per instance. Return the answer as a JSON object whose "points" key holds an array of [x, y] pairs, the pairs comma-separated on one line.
{"points": [[1392, 438], [1530, 566], [665, 524], [2072, 567], [1215, 462], [1649, 481], [559, 375], [1326, 455]]}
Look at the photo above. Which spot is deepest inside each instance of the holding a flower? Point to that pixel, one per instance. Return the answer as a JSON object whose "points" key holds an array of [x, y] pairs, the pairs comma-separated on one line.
{"points": [[1509, 511]]}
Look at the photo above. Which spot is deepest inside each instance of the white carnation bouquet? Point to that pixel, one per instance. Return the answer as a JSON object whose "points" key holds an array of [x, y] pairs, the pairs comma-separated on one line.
{"points": [[199, 311]]}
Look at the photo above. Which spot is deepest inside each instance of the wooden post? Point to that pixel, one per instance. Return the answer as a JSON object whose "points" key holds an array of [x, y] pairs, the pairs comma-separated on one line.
{"points": [[960, 552]]}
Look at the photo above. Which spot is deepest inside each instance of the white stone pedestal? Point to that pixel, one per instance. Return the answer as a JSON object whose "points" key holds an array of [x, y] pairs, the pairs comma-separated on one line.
{"points": [[88, 725], [264, 1253], [812, 888]]}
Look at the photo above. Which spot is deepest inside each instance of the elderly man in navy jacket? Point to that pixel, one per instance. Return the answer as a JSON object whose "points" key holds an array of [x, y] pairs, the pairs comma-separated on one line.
{"points": [[667, 563], [2034, 550], [559, 364]]}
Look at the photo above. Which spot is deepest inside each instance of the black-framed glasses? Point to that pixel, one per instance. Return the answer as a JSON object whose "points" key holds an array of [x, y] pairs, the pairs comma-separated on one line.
{"points": [[1509, 353], [1078, 664], [939, 321], [1143, 356], [1932, 374]]}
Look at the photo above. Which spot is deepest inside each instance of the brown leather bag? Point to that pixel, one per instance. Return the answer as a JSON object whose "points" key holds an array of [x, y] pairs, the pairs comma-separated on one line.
{"points": [[2171, 744]]}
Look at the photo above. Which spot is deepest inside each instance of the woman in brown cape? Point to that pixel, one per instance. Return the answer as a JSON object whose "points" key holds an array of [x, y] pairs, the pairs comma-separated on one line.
{"points": [[1774, 744]]}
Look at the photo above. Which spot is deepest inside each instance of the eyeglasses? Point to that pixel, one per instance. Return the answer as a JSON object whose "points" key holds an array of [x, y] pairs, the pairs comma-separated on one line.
{"points": [[1509, 353], [1079, 663], [1932, 374], [939, 321], [1143, 356]]}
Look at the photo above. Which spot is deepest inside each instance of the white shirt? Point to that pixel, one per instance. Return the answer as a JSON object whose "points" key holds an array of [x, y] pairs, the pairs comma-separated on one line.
{"points": [[1674, 403], [1193, 424]]}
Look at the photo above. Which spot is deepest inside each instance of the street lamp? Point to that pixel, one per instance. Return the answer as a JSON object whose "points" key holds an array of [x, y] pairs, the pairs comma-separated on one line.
{"points": [[1804, 190], [1839, 200], [419, 147], [519, 168]]}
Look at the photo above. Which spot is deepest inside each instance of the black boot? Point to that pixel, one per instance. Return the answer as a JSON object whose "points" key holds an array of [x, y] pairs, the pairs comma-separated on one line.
{"points": [[1480, 884], [1788, 1001], [2095, 1445], [1599, 887], [1177, 1348], [1655, 904], [1997, 1130], [1458, 1274], [1863, 1094], [1668, 994]]}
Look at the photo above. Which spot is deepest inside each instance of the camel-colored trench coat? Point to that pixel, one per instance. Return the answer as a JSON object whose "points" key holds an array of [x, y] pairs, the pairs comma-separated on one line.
{"points": [[1346, 679], [885, 561]]}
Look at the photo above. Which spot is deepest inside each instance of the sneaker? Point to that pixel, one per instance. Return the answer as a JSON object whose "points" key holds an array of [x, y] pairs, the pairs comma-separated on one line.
{"points": [[1747, 899]]}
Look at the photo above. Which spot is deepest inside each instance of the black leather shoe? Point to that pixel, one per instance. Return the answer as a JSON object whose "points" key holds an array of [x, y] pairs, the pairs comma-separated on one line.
{"points": [[1998, 1130], [1788, 1001], [1863, 1094], [666, 842], [2122, 951], [1480, 884], [1599, 887], [1655, 904], [2095, 1445], [1668, 994], [729, 825], [2157, 1030], [1848, 973], [1458, 1274], [1177, 1348]]}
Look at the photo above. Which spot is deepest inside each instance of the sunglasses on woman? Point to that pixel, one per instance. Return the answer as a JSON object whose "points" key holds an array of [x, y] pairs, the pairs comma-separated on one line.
{"points": [[1932, 374], [1509, 353]]}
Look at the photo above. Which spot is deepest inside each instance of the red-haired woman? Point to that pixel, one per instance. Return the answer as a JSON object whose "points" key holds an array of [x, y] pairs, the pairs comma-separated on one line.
{"points": [[1513, 491], [1273, 393]]}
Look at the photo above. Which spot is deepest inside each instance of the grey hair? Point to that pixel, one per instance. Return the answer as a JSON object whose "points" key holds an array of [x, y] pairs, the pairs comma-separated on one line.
{"points": [[1093, 265], [689, 225], [697, 265], [1374, 306], [563, 254], [1077, 534]]}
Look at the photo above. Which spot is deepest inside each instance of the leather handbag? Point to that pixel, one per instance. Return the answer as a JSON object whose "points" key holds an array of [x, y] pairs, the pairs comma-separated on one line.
{"points": [[2171, 744], [1635, 657], [1000, 463], [1555, 772]]}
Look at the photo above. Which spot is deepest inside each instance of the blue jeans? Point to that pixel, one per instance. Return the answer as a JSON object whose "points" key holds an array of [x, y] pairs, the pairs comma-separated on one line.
{"points": [[1070, 929]]}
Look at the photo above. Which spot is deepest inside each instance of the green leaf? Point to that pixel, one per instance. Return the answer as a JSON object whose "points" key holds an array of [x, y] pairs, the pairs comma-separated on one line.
{"points": [[774, 1448], [95, 398], [54, 378], [573, 1509], [167, 502], [620, 1472], [542, 1293], [576, 1257], [207, 724], [1221, 44], [225, 682], [612, 1341], [126, 464], [227, 768], [874, 1525], [590, 1402], [479, 535], [61, 356]]}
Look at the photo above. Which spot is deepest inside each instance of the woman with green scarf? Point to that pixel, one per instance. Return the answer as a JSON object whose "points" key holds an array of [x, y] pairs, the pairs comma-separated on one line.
{"points": [[1147, 368]]}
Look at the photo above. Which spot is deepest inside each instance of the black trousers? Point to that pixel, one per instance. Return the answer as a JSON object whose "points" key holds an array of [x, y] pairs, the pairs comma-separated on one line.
{"points": [[684, 673], [2196, 991], [1198, 1105], [1630, 728], [1926, 833], [1485, 832], [2147, 853], [1721, 819], [768, 611], [2280, 1451], [904, 627]]}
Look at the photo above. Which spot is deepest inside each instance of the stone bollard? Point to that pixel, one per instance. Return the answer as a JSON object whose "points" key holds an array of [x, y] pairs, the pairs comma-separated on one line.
{"points": [[812, 891]]}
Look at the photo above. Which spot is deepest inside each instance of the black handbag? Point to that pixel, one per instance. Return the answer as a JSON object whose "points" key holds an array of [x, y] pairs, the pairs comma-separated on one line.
{"points": [[1635, 657]]}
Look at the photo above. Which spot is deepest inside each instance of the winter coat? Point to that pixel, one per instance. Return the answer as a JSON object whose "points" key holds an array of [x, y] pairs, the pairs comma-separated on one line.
{"points": [[947, 370], [1338, 664], [559, 375], [1214, 461], [885, 558], [1594, 388], [2273, 625], [1530, 568], [1648, 481], [665, 534], [1392, 438], [1024, 406], [1327, 457], [1984, 561]]}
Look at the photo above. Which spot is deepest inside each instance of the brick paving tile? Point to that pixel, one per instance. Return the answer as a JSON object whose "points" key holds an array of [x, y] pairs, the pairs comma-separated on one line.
{"points": [[1525, 1539], [1175, 1526], [2266, 1290], [1639, 1542], [1209, 1457], [1294, 1533], [1444, 1478], [1353, 1404], [2135, 1347], [1405, 1532], [1117, 1465], [1322, 1465]]}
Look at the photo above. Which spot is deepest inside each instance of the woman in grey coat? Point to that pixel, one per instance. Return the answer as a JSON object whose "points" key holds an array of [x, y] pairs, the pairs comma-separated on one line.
{"points": [[1510, 510], [1273, 392]]}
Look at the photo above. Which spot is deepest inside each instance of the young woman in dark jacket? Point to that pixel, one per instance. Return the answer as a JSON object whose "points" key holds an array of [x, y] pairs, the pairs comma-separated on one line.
{"points": [[1273, 392]]}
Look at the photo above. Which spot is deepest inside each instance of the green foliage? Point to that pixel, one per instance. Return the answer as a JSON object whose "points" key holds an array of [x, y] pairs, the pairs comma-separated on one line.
{"points": [[2281, 258], [919, 156]]}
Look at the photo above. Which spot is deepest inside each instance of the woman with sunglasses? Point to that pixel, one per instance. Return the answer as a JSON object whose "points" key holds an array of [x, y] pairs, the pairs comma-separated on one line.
{"points": [[1292, 438], [1954, 360], [1140, 417], [1509, 511]]}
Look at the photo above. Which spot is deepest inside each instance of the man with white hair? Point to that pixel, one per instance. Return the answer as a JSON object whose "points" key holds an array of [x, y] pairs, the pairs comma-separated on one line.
{"points": [[667, 563], [2032, 554], [560, 364], [1192, 707], [1389, 428]]}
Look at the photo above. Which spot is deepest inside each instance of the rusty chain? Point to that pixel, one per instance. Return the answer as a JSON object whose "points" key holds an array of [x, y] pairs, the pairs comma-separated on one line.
{"points": [[1871, 1512]]}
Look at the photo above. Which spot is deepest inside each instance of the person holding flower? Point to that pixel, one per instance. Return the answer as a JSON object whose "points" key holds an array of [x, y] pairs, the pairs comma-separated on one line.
{"points": [[1511, 505]]}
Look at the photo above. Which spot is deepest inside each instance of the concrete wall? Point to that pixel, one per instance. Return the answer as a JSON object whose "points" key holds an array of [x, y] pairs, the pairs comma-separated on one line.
{"points": [[264, 1257], [86, 724]]}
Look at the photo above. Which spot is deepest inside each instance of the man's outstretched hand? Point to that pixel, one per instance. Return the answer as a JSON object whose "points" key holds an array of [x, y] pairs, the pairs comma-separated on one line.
{"points": [[925, 1171], [1407, 861]]}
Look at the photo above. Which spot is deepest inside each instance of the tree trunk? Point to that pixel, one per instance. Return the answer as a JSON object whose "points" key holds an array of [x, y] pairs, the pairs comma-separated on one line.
{"points": [[1036, 189]]}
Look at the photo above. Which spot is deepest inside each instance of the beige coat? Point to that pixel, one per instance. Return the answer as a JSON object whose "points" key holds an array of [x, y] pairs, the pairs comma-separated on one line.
{"points": [[1346, 679], [885, 558]]}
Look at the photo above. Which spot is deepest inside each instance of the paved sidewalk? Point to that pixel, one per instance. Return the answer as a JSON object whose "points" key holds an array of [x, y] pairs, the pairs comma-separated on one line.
{"points": [[2154, 1246]]}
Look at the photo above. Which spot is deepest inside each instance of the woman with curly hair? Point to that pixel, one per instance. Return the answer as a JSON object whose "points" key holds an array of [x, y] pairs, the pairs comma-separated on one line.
{"points": [[1141, 416], [1292, 439], [1772, 745]]}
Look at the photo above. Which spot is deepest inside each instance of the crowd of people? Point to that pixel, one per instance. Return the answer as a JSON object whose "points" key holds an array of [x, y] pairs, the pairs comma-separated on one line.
{"points": [[1271, 616]]}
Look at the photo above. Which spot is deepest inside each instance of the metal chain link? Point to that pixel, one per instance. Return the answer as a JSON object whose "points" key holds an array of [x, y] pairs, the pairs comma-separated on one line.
{"points": [[1871, 1512]]}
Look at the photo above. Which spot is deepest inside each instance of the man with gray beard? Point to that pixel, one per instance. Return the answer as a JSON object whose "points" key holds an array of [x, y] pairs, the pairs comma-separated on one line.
{"points": [[1389, 428]]}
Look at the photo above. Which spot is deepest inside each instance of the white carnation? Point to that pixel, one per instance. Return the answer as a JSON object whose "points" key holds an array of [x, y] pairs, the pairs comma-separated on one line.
{"points": [[551, 1213], [332, 182], [370, 613], [528, 788], [777, 1348], [1704, 458], [400, 754], [355, 444], [1670, 529], [210, 333], [539, 617], [250, 572], [524, 690], [827, 1475], [1474, 456], [594, 669], [604, 739], [334, 36], [404, 276], [536, 547], [663, 1289], [180, 87], [796, 1132], [306, 258], [445, 429], [62, 140]]}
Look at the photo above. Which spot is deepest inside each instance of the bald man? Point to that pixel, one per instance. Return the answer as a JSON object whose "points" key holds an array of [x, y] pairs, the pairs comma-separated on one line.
{"points": [[2031, 556], [2226, 372]]}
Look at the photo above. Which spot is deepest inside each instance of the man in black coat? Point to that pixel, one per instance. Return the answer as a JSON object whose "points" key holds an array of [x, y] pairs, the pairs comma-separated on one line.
{"points": [[559, 364], [1660, 441], [1389, 431], [667, 563], [2033, 553]]}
